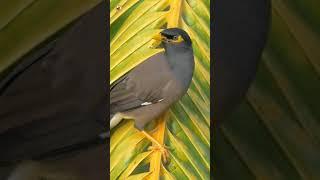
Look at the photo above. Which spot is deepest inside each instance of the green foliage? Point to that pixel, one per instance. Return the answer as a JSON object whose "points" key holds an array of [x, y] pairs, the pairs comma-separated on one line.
{"points": [[186, 131]]}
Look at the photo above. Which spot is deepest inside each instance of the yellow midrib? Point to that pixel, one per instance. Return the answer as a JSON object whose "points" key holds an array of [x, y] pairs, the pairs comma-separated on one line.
{"points": [[173, 19], [174, 15], [155, 160]]}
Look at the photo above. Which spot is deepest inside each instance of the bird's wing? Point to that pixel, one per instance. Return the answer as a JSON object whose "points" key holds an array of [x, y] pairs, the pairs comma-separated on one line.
{"points": [[142, 86], [122, 98]]}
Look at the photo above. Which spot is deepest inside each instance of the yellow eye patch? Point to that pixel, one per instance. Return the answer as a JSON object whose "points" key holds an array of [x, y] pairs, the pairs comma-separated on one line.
{"points": [[177, 39]]}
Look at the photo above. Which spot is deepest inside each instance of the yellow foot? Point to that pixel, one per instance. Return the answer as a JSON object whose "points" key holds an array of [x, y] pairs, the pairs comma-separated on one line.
{"points": [[164, 152], [158, 147]]}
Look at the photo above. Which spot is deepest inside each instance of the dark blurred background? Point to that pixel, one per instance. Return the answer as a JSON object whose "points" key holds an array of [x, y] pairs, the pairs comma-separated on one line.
{"points": [[274, 132]]}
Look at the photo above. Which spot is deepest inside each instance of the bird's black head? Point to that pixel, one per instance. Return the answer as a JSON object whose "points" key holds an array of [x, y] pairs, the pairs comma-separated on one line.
{"points": [[174, 36]]}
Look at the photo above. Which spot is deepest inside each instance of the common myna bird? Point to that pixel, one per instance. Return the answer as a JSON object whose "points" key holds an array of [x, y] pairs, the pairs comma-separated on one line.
{"points": [[148, 90]]}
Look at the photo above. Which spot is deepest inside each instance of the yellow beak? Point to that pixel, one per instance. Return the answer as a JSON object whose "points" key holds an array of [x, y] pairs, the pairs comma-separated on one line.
{"points": [[158, 37]]}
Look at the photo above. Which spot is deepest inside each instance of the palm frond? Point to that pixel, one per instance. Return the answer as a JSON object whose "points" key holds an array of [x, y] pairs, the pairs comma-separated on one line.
{"points": [[185, 129]]}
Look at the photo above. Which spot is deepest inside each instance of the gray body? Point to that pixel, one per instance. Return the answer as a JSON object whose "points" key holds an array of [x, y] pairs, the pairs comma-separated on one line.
{"points": [[152, 87]]}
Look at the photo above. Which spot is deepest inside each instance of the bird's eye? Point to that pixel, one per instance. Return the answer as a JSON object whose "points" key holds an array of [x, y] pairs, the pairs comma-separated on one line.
{"points": [[175, 38]]}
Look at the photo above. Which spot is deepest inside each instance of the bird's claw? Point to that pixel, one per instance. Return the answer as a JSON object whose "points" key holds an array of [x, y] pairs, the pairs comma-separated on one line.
{"points": [[164, 151]]}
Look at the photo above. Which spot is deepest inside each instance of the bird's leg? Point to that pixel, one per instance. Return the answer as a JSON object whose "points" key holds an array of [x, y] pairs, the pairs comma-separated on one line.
{"points": [[153, 130], [157, 146]]}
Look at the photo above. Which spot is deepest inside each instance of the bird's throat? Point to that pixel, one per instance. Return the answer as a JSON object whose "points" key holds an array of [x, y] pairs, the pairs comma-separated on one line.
{"points": [[181, 61]]}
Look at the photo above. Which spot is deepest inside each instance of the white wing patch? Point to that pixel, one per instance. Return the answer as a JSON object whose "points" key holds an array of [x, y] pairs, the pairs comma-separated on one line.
{"points": [[146, 103], [149, 103]]}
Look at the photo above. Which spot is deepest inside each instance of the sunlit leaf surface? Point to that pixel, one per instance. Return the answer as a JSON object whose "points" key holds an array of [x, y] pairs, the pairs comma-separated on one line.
{"points": [[185, 129]]}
